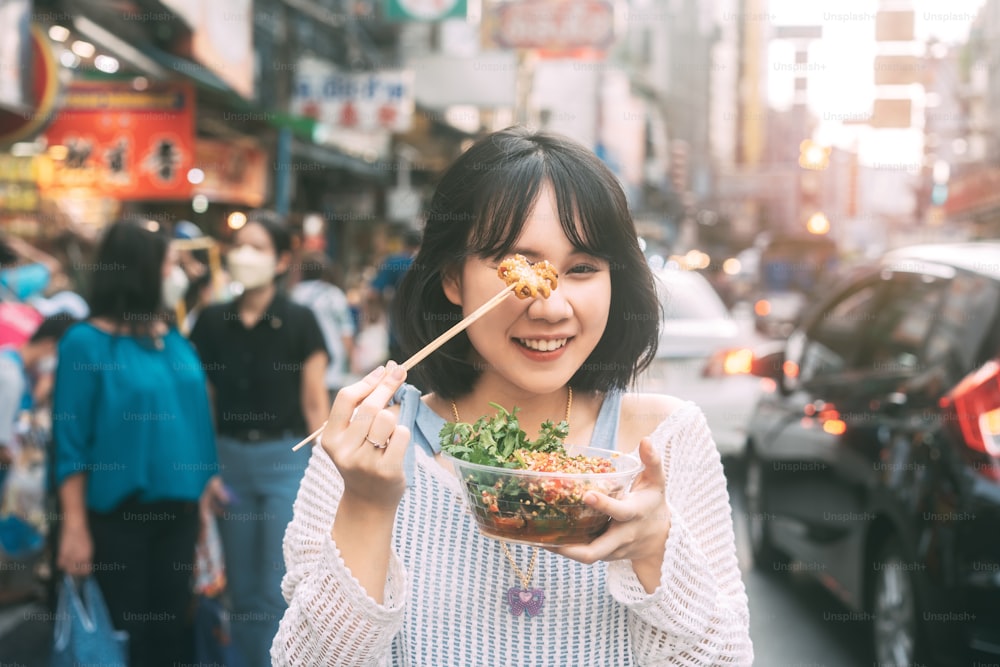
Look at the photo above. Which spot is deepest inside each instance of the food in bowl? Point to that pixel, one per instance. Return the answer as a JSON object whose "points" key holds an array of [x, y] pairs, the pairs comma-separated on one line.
{"points": [[531, 491]]}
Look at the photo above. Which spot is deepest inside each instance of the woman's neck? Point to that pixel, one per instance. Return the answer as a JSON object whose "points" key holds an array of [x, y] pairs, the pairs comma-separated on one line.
{"points": [[533, 409], [254, 302]]}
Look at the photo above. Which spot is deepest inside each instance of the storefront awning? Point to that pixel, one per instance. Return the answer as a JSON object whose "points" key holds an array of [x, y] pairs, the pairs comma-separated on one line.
{"points": [[331, 158]]}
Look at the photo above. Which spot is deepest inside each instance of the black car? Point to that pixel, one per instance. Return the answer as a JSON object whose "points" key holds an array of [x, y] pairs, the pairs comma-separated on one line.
{"points": [[873, 457]]}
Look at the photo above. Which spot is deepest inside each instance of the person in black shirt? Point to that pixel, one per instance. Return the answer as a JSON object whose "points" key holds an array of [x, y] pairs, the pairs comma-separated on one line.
{"points": [[266, 362]]}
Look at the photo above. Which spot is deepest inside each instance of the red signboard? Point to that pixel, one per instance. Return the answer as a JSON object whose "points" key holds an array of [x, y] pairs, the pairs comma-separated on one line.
{"points": [[124, 143], [554, 24]]}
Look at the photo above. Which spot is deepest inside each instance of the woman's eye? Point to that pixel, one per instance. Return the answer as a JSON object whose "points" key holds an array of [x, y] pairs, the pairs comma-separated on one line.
{"points": [[583, 268]]}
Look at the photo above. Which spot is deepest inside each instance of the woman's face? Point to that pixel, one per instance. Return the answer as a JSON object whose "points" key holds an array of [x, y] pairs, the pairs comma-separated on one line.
{"points": [[538, 344], [253, 259], [256, 237]]}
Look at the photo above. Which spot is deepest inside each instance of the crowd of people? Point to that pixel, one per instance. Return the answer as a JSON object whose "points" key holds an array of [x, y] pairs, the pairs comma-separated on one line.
{"points": [[164, 396], [359, 552]]}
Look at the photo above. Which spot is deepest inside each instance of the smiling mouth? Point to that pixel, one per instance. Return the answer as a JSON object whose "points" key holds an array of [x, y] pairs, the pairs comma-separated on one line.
{"points": [[539, 345]]}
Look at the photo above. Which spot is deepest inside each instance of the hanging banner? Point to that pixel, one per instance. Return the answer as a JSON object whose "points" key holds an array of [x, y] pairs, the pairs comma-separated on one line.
{"points": [[124, 143], [556, 25]]}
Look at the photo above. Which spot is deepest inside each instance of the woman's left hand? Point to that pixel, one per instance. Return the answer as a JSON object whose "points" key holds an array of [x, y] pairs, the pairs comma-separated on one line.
{"points": [[640, 522]]}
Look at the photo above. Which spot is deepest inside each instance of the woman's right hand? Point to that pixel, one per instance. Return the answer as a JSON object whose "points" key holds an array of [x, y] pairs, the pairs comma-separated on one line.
{"points": [[365, 441], [76, 551]]}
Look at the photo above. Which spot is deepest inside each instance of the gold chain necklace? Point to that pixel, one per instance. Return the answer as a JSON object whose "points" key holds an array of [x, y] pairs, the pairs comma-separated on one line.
{"points": [[525, 599]]}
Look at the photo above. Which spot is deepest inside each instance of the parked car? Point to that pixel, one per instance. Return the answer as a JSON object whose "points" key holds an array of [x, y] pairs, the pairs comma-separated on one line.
{"points": [[703, 356], [873, 456]]}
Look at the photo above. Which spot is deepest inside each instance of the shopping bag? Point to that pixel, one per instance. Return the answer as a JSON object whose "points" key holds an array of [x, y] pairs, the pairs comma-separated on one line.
{"points": [[84, 633], [213, 643], [209, 567]]}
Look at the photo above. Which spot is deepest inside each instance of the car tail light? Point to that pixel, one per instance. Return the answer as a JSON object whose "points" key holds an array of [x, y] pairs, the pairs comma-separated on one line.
{"points": [[729, 362], [974, 406]]}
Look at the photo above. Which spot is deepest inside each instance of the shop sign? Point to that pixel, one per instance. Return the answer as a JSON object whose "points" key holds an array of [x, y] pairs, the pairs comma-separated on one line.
{"points": [[232, 173], [976, 191], [124, 143], [425, 10], [553, 24], [367, 101]]}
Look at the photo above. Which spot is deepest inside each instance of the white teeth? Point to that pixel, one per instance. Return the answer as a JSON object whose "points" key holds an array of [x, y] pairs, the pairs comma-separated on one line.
{"points": [[543, 345]]}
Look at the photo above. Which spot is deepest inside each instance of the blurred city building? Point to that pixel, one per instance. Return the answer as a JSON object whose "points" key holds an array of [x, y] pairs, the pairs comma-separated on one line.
{"points": [[341, 113]]}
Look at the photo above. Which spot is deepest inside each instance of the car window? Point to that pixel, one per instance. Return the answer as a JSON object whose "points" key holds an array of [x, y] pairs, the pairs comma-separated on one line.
{"points": [[835, 338], [964, 323], [900, 329]]}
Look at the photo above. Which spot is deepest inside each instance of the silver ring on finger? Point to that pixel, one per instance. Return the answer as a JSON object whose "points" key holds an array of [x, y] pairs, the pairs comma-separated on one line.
{"points": [[375, 444]]}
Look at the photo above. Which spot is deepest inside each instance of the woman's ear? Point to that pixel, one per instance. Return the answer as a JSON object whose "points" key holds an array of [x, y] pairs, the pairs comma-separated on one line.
{"points": [[452, 285]]}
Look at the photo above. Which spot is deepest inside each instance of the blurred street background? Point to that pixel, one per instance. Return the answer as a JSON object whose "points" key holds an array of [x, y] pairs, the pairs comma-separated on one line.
{"points": [[766, 148]]}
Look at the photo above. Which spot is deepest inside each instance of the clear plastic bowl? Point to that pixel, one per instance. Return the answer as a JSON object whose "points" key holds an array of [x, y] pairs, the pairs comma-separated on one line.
{"points": [[543, 508]]}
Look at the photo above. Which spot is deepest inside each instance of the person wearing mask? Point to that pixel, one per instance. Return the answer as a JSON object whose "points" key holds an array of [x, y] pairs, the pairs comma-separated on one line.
{"points": [[329, 304], [133, 444], [266, 363]]}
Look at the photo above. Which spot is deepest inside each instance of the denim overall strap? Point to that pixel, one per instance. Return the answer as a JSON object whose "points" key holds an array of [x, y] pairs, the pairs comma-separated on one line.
{"points": [[424, 427], [605, 434]]}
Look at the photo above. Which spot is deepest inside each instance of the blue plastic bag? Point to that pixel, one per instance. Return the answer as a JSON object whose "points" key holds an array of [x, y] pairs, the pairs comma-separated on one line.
{"points": [[18, 538], [84, 633]]}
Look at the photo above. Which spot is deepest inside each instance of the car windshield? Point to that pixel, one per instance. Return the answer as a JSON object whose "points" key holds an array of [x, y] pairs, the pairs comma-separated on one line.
{"points": [[688, 296]]}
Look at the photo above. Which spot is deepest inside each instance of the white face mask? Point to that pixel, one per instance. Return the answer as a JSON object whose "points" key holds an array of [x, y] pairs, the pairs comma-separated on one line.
{"points": [[251, 267], [174, 287]]}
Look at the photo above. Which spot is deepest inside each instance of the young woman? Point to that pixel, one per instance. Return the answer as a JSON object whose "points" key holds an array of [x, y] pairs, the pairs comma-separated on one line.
{"points": [[386, 567], [133, 444], [266, 361]]}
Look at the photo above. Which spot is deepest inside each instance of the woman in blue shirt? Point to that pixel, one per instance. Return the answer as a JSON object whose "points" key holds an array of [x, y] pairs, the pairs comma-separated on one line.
{"points": [[134, 444]]}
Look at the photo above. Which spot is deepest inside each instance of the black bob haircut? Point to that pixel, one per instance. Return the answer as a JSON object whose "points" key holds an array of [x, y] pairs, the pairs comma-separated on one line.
{"points": [[479, 209], [126, 282], [52, 328]]}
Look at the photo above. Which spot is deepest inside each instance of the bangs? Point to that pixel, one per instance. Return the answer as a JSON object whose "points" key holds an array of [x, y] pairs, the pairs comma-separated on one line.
{"points": [[582, 203]]}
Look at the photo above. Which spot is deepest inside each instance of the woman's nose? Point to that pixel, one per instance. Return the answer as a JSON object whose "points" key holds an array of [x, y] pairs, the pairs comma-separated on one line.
{"points": [[553, 309]]}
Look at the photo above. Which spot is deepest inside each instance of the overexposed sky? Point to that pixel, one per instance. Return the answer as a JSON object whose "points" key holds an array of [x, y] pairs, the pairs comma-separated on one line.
{"points": [[841, 78]]}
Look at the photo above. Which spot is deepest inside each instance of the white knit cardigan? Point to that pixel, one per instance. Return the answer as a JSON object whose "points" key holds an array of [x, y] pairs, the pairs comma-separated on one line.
{"points": [[444, 600]]}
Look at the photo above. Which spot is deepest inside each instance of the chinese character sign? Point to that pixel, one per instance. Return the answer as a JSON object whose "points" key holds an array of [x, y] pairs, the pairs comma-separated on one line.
{"points": [[122, 143], [364, 101]]}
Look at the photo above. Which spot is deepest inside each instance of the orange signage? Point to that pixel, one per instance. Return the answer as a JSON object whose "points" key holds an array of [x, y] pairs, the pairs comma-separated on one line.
{"points": [[124, 143]]}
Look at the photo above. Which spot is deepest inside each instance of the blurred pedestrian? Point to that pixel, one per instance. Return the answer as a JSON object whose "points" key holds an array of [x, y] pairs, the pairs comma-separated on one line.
{"points": [[386, 282], [20, 369], [328, 302], [133, 444], [26, 271], [266, 362]]}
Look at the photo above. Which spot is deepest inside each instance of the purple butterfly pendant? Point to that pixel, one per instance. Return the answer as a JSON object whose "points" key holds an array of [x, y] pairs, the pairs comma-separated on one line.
{"points": [[527, 601]]}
